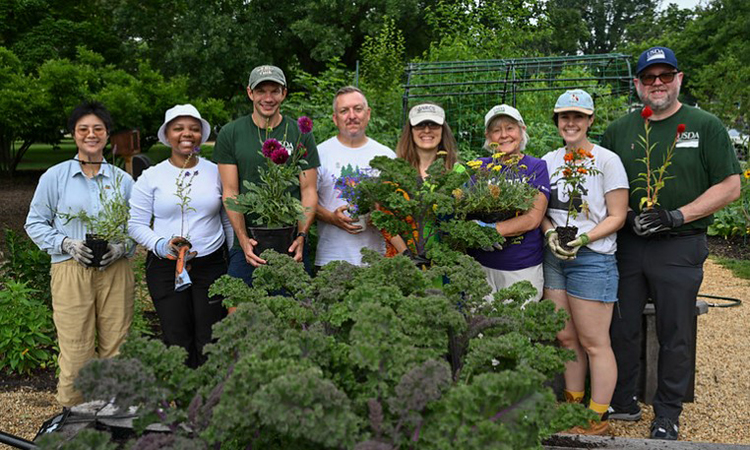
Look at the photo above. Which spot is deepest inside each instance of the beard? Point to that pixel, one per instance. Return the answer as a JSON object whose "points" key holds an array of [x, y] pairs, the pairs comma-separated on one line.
{"points": [[661, 104]]}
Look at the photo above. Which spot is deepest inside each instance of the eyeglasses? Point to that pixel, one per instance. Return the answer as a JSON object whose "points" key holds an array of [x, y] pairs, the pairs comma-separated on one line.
{"points": [[84, 130], [430, 125], [665, 78]]}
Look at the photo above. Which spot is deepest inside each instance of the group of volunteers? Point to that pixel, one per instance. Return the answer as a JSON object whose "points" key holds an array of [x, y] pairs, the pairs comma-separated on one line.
{"points": [[620, 256]]}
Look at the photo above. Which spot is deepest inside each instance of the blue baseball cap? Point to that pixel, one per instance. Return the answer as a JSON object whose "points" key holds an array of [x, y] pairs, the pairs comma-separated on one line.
{"points": [[575, 100], [656, 55]]}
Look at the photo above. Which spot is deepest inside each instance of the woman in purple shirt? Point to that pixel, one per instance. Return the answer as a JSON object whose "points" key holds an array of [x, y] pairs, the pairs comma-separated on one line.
{"points": [[505, 132]]}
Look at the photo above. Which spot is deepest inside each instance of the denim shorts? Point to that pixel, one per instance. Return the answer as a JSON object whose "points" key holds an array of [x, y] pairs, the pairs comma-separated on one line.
{"points": [[590, 276]]}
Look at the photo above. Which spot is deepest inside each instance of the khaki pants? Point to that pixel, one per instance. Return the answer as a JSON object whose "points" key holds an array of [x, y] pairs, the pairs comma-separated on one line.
{"points": [[87, 305]]}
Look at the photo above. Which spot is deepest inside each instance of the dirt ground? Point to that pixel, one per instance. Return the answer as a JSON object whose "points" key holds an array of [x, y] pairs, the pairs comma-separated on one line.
{"points": [[720, 413]]}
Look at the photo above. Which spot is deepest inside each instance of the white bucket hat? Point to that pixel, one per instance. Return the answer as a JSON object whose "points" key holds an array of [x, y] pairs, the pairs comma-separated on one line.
{"points": [[179, 111]]}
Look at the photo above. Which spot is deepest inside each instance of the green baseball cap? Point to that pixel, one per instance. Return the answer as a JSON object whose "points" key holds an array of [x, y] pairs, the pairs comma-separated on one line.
{"points": [[266, 73]]}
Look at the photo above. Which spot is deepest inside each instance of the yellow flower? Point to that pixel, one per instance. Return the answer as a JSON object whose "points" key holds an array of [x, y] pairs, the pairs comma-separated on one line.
{"points": [[498, 155], [497, 168], [747, 173], [489, 166], [474, 164], [494, 146], [494, 190], [458, 193]]}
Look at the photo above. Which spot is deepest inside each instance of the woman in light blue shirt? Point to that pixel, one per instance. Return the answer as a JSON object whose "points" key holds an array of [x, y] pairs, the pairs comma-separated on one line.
{"points": [[91, 304]]}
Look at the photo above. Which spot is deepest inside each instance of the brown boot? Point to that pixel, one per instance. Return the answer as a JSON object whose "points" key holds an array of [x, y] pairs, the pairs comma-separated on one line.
{"points": [[595, 428]]}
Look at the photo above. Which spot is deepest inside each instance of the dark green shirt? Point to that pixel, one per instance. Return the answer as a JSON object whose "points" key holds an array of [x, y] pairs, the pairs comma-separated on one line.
{"points": [[704, 156]]}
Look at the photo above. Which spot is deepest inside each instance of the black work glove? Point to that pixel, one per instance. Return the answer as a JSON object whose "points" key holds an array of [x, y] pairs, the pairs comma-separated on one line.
{"points": [[657, 220], [630, 220]]}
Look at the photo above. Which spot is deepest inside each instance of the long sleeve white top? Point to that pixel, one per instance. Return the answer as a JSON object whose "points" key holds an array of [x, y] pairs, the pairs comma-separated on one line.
{"points": [[155, 211]]}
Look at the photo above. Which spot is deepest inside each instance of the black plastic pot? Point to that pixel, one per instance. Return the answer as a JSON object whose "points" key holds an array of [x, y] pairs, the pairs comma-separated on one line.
{"points": [[492, 217], [279, 239], [565, 235], [98, 247]]}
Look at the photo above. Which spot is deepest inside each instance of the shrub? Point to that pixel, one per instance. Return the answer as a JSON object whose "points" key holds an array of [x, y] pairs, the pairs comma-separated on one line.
{"points": [[26, 330], [358, 357], [26, 263]]}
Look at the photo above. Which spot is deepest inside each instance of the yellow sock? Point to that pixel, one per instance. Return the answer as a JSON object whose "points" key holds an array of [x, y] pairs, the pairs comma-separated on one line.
{"points": [[573, 396], [598, 407]]}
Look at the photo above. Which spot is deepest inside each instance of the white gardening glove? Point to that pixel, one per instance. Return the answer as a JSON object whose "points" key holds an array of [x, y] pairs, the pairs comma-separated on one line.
{"points": [[78, 250], [553, 242], [115, 251]]}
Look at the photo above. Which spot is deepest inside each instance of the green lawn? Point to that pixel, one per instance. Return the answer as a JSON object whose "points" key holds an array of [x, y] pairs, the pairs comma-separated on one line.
{"points": [[739, 267], [43, 156]]}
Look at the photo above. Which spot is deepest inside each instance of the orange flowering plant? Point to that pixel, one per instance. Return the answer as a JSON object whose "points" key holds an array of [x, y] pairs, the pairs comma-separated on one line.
{"points": [[577, 165], [654, 177]]}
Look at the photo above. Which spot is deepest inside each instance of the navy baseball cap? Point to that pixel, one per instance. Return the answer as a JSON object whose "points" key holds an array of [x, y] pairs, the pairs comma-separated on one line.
{"points": [[656, 55]]}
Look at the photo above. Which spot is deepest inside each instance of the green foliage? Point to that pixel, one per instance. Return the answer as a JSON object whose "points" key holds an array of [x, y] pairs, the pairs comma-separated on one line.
{"points": [[739, 267], [86, 439], [418, 210], [26, 330], [111, 223], [355, 358], [26, 263], [734, 219]]}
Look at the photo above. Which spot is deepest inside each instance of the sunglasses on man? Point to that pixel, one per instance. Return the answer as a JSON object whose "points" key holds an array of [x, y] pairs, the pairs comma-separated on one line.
{"points": [[665, 78]]}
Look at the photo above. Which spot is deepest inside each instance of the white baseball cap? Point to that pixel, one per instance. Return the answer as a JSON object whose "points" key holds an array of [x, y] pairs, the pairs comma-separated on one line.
{"points": [[502, 110], [179, 111], [426, 111]]}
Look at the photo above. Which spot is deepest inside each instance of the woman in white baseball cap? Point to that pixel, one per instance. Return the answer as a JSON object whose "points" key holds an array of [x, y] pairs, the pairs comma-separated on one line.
{"points": [[506, 137], [176, 212], [424, 135], [582, 278]]}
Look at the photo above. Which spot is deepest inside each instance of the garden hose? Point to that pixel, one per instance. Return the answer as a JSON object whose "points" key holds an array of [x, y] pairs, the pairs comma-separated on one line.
{"points": [[732, 302]]}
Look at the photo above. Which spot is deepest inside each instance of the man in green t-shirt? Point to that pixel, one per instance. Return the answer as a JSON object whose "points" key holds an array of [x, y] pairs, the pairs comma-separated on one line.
{"points": [[662, 247], [238, 155]]}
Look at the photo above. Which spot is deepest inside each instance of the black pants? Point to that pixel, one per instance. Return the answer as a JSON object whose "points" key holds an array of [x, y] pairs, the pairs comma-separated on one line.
{"points": [[669, 271], [186, 317]]}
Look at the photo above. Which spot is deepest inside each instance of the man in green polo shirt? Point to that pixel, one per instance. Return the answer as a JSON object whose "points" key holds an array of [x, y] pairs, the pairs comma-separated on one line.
{"points": [[238, 155], [661, 248]]}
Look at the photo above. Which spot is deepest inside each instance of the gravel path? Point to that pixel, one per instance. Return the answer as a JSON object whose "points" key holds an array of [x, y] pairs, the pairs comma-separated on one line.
{"points": [[720, 413]]}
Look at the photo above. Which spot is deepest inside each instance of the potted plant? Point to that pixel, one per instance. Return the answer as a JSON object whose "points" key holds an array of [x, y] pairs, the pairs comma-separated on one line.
{"points": [[577, 165], [110, 224], [421, 211], [653, 179], [275, 211], [352, 190], [496, 190]]}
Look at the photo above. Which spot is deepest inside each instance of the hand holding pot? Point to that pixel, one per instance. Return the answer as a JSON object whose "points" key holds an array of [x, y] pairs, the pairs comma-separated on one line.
{"points": [[553, 242], [248, 247], [78, 250], [343, 221], [115, 251]]}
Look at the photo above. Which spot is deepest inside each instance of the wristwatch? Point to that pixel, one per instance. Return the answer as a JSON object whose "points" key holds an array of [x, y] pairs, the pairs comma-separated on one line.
{"points": [[301, 233]]}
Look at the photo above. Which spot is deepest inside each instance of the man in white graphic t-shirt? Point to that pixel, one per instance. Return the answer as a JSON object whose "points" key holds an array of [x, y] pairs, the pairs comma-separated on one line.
{"points": [[340, 238]]}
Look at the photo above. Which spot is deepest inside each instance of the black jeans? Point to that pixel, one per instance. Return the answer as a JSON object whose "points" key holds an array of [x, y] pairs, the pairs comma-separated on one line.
{"points": [[186, 317], [669, 271]]}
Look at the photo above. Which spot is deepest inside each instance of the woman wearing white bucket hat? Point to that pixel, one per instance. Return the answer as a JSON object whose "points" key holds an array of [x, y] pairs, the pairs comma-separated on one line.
{"points": [[181, 196]]}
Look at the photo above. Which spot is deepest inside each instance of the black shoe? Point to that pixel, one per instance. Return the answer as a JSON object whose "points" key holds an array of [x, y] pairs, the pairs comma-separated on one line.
{"points": [[631, 413], [665, 428]]}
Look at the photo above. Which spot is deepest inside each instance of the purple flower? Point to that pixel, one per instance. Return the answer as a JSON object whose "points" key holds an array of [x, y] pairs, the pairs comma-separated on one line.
{"points": [[280, 155], [196, 150], [195, 174], [187, 174], [270, 146], [305, 124]]}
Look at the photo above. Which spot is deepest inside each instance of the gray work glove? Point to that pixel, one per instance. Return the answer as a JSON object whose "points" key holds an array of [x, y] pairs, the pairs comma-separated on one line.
{"points": [[496, 245], [162, 249], [114, 252], [78, 250], [657, 220], [553, 242]]}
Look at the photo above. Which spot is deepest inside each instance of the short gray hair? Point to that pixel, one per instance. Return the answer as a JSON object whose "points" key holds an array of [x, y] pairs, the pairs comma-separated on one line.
{"points": [[347, 90], [524, 136]]}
